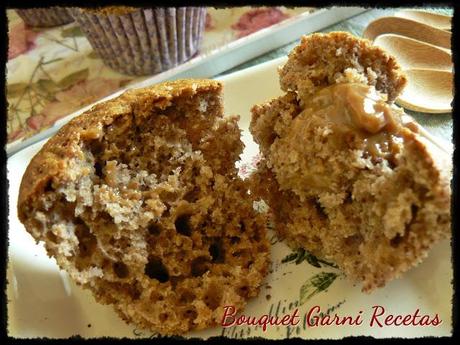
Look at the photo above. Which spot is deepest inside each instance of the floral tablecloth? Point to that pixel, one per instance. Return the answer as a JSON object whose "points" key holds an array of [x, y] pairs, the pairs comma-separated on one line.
{"points": [[53, 72]]}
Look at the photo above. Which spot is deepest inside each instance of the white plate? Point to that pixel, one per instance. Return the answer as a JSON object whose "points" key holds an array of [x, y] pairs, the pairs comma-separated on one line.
{"points": [[43, 302]]}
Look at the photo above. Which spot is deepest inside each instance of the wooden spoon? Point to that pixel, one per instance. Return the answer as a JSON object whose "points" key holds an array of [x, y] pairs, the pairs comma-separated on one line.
{"points": [[412, 53], [440, 21], [409, 28], [428, 91]]}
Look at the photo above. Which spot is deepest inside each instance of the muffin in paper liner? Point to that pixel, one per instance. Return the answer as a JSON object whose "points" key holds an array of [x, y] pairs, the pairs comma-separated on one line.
{"points": [[143, 41], [45, 17]]}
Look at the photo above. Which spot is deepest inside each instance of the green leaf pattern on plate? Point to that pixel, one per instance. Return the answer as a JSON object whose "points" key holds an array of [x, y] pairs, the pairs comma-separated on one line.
{"points": [[300, 255], [316, 284]]}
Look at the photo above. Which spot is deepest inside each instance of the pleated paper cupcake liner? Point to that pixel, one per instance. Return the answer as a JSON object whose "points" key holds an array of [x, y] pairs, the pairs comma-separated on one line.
{"points": [[144, 41], [45, 17]]}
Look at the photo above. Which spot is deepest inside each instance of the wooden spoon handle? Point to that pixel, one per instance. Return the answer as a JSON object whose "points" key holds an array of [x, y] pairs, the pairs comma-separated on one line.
{"points": [[409, 28], [411, 53], [440, 21]]}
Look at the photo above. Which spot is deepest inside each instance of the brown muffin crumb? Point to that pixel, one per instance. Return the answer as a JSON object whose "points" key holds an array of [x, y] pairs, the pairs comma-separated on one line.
{"points": [[110, 10], [139, 201], [324, 59]]}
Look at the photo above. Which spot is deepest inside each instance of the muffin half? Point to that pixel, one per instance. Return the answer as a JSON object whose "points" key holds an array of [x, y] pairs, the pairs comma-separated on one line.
{"points": [[345, 172], [139, 201]]}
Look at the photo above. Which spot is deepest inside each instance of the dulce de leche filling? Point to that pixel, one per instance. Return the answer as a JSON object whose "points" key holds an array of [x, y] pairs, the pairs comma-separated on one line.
{"points": [[359, 111], [340, 121]]}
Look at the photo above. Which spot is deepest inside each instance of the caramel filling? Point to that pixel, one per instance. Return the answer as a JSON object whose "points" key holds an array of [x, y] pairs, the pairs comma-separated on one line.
{"points": [[358, 110]]}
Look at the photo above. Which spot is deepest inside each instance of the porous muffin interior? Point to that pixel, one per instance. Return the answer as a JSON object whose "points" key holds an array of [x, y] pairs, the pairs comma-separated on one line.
{"points": [[354, 186], [324, 59], [140, 201]]}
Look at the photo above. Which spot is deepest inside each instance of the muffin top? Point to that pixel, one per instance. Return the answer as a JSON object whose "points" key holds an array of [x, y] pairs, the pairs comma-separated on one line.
{"points": [[110, 10]]}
